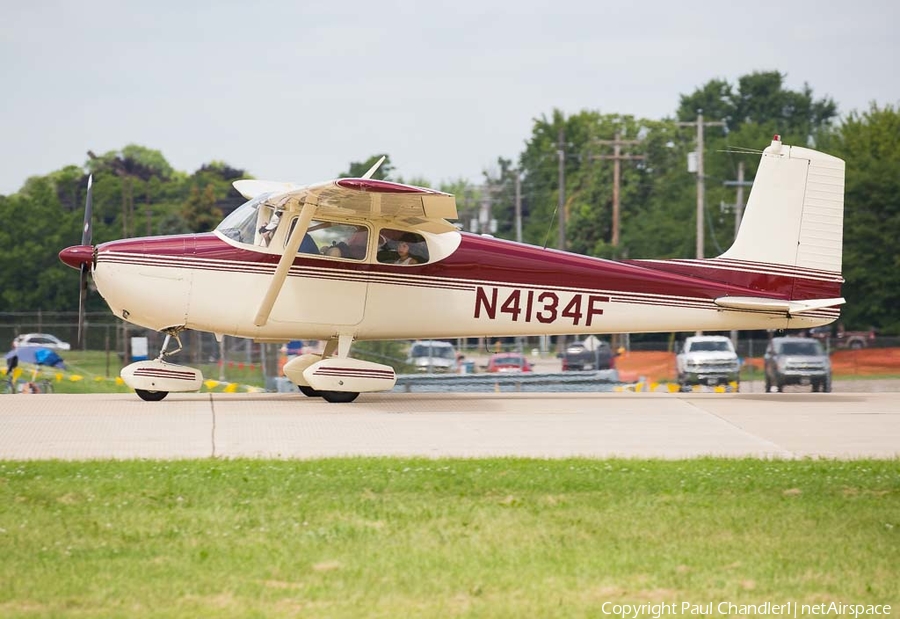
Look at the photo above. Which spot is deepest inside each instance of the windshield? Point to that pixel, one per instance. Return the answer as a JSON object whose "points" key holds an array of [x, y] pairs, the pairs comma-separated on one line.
{"points": [[240, 225], [801, 348], [711, 346]]}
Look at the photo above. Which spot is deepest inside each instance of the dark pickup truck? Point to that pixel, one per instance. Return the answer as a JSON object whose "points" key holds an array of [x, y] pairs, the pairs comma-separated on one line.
{"points": [[579, 356]]}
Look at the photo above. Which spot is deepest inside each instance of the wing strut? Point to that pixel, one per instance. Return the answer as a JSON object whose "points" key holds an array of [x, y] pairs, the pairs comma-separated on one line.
{"points": [[284, 265]]}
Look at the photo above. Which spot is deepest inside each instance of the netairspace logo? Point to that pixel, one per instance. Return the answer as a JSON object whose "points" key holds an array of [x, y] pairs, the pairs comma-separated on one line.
{"points": [[786, 609]]}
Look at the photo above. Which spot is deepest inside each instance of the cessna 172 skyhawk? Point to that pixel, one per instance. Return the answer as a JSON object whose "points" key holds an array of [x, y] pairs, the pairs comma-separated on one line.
{"points": [[364, 259]]}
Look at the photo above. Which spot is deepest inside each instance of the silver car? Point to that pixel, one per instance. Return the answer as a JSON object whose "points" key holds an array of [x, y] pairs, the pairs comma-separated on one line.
{"points": [[44, 340], [797, 361], [433, 356]]}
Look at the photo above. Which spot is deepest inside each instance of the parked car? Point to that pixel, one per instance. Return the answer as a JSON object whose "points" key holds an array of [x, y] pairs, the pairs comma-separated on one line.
{"points": [[596, 355], [508, 362], [433, 356], [44, 340], [797, 361], [839, 338], [707, 360]]}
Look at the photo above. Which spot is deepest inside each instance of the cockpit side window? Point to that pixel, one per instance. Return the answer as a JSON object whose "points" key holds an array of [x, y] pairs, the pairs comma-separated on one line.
{"points": [[260, 224], [401, 247], [335, 240]]}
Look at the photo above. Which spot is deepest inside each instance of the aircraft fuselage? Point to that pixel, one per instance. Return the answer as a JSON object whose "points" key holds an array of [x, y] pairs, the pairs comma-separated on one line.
{"points": [[478, 286]]}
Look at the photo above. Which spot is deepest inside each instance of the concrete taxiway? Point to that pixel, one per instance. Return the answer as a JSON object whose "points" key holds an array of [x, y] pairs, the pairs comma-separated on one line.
{"points": [[544, 425]]}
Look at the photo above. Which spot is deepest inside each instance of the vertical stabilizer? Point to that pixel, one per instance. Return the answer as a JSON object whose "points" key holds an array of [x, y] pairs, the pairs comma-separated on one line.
{"points": [[795, 213]]}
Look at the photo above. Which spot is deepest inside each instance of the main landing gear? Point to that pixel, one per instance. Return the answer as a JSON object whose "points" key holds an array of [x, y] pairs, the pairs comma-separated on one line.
{"points": [[335, 397], [336, 378]]}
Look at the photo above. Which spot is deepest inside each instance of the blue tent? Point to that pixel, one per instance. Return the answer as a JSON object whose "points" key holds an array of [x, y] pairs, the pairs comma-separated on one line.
{"points": [[37, 355]]}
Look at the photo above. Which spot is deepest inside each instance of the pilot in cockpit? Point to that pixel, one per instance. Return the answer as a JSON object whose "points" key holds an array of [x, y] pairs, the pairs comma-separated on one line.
{"points": [[268, 230]]}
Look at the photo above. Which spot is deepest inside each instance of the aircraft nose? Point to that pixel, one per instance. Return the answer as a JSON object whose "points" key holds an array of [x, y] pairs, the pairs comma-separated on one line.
{"points": [[77, 255]]}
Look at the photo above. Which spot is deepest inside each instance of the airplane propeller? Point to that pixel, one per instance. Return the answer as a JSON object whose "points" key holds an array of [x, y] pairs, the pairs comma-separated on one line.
{"points": [[86, 235], [81, 257]]}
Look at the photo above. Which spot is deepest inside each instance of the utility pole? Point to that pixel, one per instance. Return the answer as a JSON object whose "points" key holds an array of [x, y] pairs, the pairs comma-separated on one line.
{"points": [[701, 179], [740, 183], [484, 212], [561, 203], [518, 206], [617, 157]]}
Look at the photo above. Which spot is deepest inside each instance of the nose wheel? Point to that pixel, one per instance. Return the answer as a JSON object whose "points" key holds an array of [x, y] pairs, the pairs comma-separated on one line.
{"points": [[154, 380], [151, 396]]}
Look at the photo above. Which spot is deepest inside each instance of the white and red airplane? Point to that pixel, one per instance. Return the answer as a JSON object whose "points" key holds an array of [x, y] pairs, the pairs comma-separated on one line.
{"points": [[363, 259]]}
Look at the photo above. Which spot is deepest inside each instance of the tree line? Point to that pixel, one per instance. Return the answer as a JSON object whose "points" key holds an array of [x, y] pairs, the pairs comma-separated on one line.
{"points": [[567, 163]]}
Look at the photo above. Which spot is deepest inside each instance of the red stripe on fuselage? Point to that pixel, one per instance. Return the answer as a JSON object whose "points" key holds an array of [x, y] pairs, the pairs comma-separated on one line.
{"points": [[503, 263]]}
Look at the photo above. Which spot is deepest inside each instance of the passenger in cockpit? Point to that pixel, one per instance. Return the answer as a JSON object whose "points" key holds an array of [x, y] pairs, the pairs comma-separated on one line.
{"points": [[268, 231]]}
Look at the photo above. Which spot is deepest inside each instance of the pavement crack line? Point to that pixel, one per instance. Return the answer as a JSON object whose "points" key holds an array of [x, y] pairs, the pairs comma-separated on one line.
{"points": [[790, 453], [212, 409]]}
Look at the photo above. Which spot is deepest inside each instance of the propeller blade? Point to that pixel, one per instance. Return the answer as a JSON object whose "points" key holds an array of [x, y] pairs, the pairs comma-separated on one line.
{"points": [[284, 265], [375, 167], [86, 231], [81, 299], [86, 234]]}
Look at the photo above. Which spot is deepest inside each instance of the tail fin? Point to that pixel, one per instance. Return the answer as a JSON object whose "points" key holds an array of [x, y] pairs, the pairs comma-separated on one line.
{"points": [[795, 213]]}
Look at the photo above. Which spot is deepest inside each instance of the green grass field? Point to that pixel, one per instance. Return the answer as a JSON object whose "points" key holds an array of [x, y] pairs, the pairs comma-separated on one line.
{"points": [[441, 538]]}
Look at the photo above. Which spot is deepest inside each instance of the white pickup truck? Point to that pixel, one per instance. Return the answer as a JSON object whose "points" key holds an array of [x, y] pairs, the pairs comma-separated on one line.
{"points": [[708, 360]]}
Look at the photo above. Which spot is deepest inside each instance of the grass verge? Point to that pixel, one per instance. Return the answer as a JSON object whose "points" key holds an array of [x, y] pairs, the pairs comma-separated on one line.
{"points": [[436, 538]]}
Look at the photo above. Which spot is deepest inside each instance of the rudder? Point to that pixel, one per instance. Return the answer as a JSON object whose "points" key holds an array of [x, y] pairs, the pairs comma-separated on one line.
{"points": [[795, 212]]}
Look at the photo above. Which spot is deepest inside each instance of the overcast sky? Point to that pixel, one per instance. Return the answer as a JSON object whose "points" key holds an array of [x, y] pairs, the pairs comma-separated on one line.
{"points": [[296, 90]]}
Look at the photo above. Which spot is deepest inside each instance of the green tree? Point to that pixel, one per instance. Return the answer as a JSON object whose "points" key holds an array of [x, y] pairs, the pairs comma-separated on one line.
{"points": [[36, 228], [760, 98], [200, 212], [869, 142], [753, 110], [588, 175]]}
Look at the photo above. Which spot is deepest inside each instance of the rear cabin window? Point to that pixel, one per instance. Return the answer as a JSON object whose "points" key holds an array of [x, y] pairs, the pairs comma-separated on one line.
{"points": [[401, 247]]}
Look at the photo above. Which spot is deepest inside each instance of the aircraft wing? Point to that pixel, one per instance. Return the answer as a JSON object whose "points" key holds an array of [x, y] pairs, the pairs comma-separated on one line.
{"points": [[418, 207], [250, 188]]}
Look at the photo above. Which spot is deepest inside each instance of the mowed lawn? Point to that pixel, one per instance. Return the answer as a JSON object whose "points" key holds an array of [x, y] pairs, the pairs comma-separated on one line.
{"points": [[385, 537]]}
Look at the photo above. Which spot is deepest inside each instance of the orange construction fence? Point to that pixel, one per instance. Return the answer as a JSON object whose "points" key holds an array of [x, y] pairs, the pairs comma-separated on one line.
{"points": [[658, 366]]}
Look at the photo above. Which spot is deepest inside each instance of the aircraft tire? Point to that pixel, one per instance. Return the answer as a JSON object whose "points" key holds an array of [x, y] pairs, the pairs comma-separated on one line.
{"points": [[151, 396], [339, 397], [309, 391]]}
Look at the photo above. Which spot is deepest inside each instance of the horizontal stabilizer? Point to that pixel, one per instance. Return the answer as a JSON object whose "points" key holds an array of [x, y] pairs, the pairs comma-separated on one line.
{"points": [[763, 304]]}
